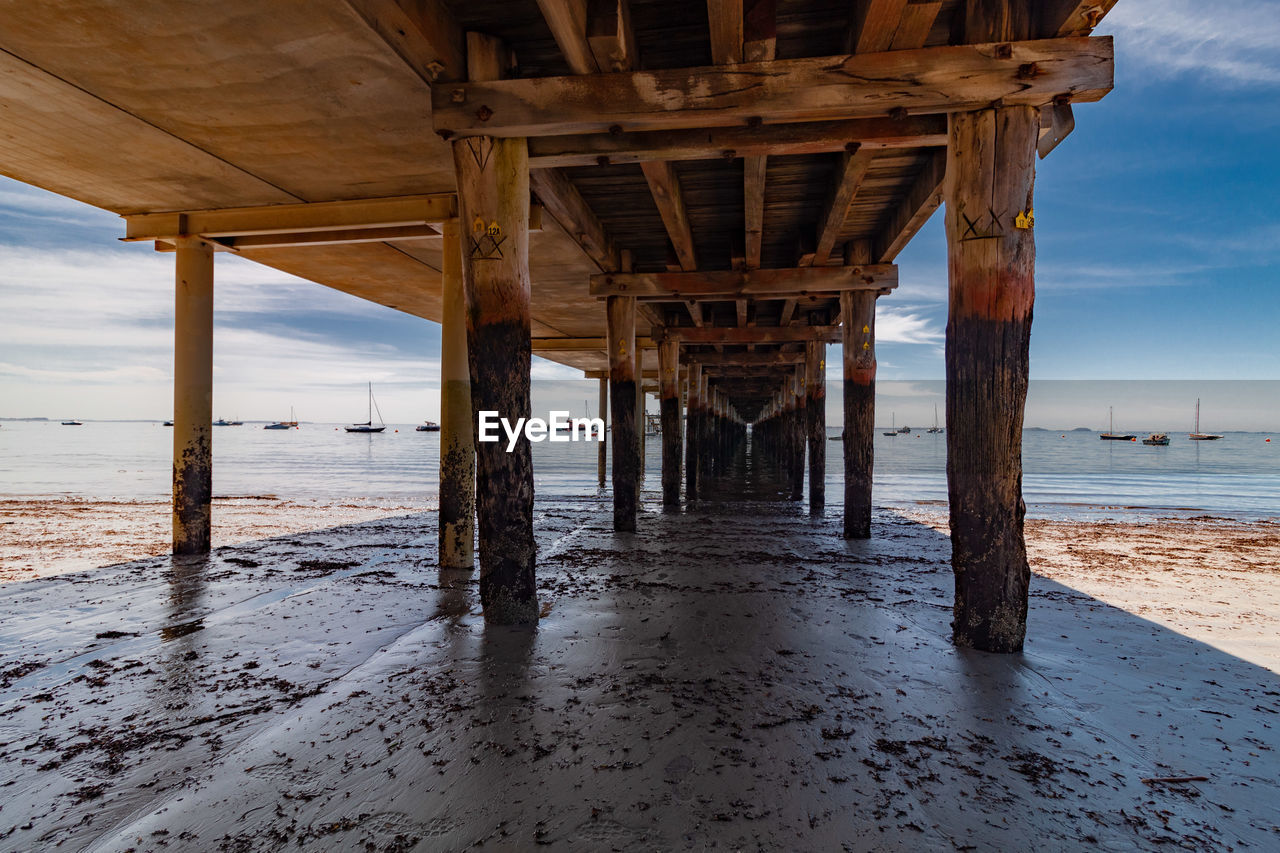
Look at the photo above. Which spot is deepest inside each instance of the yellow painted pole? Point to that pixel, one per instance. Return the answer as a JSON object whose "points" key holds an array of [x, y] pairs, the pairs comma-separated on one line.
{"points": [[457, 450], [192, 396]]}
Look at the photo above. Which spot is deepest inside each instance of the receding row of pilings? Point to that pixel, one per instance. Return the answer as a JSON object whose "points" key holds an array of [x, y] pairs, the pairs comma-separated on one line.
{"points": [[991, 250]]}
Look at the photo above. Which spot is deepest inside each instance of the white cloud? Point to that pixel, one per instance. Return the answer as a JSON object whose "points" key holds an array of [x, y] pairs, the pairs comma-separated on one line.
{"points": [[1234, 41], [895, 325]]}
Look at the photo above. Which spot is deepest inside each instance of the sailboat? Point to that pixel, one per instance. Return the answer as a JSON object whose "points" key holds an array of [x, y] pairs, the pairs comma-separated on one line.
{"points": [[292, 423], [935, 428], [1198, 435], [368, 426], [1111, 434], [893, 420]]}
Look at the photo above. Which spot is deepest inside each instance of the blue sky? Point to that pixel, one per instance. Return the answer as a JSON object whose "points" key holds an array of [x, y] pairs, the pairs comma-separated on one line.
{"points": [[1158, 258]]}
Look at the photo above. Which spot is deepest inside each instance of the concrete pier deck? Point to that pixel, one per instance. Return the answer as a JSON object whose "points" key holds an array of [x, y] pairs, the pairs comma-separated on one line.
{"points": [[734, 677]]}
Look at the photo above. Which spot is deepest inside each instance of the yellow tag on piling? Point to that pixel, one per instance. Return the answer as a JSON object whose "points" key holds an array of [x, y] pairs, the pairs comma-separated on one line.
{"points": [[494, 229], [866, 345], [866, 330], [477, 227], [1025, 220]]}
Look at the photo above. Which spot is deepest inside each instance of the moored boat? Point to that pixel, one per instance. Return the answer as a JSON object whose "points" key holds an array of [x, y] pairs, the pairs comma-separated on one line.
{"points": [[1198, 435], [72, 423], [289, 424], [1111, 434], [1158, 439], [428, 426], [368, 426]]}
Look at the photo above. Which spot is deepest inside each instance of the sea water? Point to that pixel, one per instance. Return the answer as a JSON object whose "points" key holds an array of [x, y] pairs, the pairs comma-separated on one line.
{"points": [[1066, 474]]}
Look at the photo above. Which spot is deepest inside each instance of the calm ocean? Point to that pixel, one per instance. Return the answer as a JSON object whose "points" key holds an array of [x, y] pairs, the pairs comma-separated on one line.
{"points": [[1067, 475]]}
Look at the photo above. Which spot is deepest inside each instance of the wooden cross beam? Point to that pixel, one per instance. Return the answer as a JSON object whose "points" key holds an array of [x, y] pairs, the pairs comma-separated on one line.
{"points": [[717, 143], [294, 218], [734, 284], [582, 344], [754, 334], [744, 359], [925, 80]]}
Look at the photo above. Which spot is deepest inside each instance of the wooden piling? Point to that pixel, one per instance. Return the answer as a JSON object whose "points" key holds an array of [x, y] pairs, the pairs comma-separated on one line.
{"points": [[815, 369], [192, 396], [669, 393], [456, 535], [621, 322], [858, 324], [602, 450], [691, 461], [796, 416], [991, 259], [493, 198]]}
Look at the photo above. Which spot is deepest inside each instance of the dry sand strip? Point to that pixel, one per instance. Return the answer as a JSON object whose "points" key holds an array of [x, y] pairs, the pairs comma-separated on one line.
{"points": [[741, 679]]}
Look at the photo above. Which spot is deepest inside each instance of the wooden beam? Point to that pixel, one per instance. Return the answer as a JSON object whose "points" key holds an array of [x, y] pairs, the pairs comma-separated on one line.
{"points": [[329, 238], [913, 210], [818, 137], [581, 344], [754, 175], [1058, 18], [850, 172], [815, 404], [293, 218], [567, 20], [916, 24], [730, 284], [724, 18], [421, 32], [609, 33], [873, 24], [925, 80], [741, 305], [759, 30], [755, 334], [665, 186], [745, 359], [788, 311], [567, 206], [669, 406]]}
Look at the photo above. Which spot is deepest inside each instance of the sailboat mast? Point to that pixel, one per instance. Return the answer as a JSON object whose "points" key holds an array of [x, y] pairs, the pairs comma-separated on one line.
{"points": [[1197, 414]]}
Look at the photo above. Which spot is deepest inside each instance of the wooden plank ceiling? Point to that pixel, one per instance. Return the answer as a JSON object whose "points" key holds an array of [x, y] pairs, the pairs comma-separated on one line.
{"points": [[132, 108]]}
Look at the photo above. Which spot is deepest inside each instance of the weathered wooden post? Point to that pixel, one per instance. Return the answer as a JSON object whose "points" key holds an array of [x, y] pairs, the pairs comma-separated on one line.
{"points": [[493, 198], [815, 403], [621, 322], [858, 338], [192, 396], [704, 426], [602, 412], [456, 534], [669, 392], [796, 420], [991, 258], [691, 449], [640, 421]]}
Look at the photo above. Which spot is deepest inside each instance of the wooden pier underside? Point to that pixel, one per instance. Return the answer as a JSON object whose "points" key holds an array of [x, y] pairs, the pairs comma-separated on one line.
{"points": [[725, 176], [134, 109]]}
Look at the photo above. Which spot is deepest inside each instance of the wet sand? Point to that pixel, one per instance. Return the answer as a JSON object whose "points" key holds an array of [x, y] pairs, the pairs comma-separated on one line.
{"points": [[736, 677], [43, 537]]}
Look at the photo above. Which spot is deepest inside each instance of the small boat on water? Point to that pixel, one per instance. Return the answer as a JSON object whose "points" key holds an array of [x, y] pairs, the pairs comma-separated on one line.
{"points": [[1158, 439], [906, 430], [167, 423], [1111, 434], [72, 423], [935, 428], [893, 429], [1198, 435], [289, 424], [368, 426], [225, 422], [428, 426]]}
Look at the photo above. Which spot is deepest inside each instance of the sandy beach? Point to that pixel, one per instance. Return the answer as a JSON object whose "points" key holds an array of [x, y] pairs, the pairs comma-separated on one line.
{"points": [[735, 677]]}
